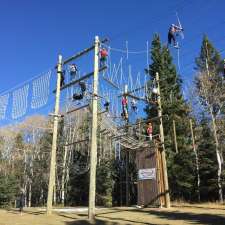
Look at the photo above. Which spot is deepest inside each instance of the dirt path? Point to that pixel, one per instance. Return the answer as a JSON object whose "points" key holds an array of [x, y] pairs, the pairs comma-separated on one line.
{"points": [[178, 215]]}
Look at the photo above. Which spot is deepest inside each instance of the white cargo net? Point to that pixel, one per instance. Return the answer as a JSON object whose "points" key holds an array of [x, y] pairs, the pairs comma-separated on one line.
{"points": [[40, 93], [4, 99], [19, 104]]}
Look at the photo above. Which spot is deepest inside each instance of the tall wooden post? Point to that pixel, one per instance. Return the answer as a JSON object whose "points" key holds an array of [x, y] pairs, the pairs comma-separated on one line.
{"points": [[93, 155], [163, 154], [54, 139]]}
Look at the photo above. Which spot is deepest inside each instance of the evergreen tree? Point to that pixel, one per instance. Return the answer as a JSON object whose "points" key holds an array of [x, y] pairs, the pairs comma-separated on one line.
{"points": [[207, 161], [180, 166]]}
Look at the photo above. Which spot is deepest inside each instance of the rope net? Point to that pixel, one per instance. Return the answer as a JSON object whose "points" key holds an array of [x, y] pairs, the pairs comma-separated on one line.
{"points": [[4, 99], [40, 92], [19, 105]]}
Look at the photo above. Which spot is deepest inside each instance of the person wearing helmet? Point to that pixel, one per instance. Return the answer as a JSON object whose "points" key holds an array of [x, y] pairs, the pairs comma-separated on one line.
{"points": [[125, 107], [173, 30], [103, 56], [73, 70], [149, 131]]}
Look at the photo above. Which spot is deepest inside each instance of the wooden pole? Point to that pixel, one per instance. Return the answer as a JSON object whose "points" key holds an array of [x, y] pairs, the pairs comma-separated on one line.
{"points": [[175, 136], [93, 156], [163, 154], [54, 139]]}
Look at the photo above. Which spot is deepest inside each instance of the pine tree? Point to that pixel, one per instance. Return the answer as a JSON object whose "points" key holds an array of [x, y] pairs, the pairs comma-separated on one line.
{"points": [[180, 166], [207, 161]]}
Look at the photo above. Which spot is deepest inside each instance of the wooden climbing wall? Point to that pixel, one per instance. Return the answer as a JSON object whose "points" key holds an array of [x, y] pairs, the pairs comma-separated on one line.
{"points": [[149, 190]]}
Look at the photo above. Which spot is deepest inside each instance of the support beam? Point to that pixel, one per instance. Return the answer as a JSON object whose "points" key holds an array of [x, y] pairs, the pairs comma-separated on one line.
{"points": [[93, 154], [54, 139], [77, 142], [86, 76], [136, 98], [132, 91], [76, 109], [79, 54], [110, 82]]}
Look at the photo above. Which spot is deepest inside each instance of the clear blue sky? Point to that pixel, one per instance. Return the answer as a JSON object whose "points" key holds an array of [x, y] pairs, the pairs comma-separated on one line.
{"points": [[34, 32]]}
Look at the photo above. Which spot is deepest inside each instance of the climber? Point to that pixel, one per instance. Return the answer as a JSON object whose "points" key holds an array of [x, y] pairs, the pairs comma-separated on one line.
{"points": [[134, 105], [173, 30], [149, 131], [62, 81], [106, 105], [125, 107], [154, 94], [83, 88], [73, 70], [103, 56]]}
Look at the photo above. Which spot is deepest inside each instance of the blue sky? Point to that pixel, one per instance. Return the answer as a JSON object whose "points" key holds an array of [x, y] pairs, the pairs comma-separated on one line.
{"points": [[33, 33]]}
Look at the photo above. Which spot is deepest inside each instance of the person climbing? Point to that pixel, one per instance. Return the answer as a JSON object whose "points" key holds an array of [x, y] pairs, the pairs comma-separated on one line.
{"points": [[62, 81], [106, 105], [83, 88], [149, 131], [103, 56], [125, 107], [154, 94], [173, 30], [73, 70], [134, 105]]}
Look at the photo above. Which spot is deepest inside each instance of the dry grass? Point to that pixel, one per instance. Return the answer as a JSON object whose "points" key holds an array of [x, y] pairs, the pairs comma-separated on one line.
{"points": [[179, 214]]}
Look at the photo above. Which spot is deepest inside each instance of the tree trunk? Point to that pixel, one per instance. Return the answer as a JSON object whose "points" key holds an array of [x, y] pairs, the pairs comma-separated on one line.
{"points": [[63, 176], [196, 160], [218, 156]]}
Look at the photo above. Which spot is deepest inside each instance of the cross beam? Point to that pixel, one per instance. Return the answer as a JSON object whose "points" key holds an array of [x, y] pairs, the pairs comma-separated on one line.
{"points": [[132, 91], [76, 109], [79, 54], [80, 79], [110, 82]]}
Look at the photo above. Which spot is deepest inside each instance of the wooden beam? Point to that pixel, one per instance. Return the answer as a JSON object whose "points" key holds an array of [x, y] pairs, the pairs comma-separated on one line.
{"points": [[80, 79], [76, 109], [79, 54], [136, 97], [132, 91], [77, 142], [110, 82]]}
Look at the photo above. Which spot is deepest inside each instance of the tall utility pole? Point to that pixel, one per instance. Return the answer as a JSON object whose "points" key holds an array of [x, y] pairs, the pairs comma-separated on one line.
{"points": [[93, 155], [54, 139], [163, 154]]}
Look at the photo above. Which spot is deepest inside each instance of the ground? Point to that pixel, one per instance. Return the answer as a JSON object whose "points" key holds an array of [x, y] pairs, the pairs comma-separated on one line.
{"points": [[205, 214]]}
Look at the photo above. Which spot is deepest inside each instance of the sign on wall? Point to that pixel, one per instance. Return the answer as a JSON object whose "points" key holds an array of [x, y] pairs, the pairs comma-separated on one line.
{"points": [[147, 174]]}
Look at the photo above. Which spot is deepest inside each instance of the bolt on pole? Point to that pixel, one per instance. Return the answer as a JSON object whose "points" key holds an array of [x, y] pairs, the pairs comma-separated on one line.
{"points": [[54, 139], [93, 154]]}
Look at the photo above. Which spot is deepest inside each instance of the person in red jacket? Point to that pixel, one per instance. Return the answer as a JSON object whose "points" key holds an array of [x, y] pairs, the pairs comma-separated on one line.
{"points": [[103, 56], [149, 131], [125, 107]]}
